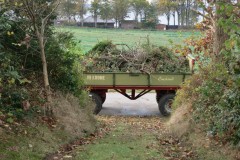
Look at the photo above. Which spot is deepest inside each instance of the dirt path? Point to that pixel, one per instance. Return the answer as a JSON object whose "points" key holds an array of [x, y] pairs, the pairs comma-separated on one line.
{"points": [[139, 138], [129, 138]]}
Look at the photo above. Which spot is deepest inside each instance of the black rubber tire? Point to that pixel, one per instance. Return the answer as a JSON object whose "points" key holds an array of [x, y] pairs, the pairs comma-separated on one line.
{"points": [[157, 97], [103, 98], [164, 102], [98, 102]]}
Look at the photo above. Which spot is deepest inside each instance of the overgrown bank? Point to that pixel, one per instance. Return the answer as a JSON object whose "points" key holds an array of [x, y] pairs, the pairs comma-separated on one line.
{"points": [[35, 137], [34, 122], [213, 92]]}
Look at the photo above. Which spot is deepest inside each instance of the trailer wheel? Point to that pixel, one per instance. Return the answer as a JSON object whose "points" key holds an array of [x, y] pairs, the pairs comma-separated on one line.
{"points": [[165, 104], [103, 97], [157, 97], [98, 103]]}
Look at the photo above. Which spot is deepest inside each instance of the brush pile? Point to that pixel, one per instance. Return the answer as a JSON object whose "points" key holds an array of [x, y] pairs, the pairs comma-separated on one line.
{"points": [[107, 57]]}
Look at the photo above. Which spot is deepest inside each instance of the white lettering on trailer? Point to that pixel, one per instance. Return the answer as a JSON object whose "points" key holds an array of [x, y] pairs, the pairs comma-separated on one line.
{"points": [[166, 78], [94, 77]]}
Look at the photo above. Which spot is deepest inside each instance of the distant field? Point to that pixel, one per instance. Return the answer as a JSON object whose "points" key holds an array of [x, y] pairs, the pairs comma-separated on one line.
{"points": [[90, 36]]}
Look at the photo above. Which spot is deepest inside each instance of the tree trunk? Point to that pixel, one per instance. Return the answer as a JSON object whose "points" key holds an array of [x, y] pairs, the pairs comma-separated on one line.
{"points": [[182, 15], [40, 37], [69, 19], [174, 19], [82, 21], [82, 13], [168, 19], [106, 23], [178, 14], [219, 39], [141, 17], [187, 12], [119, 24], [75, 19], [136, 16], [81, 16], [219, 35], [186, 21], [95, 21]]}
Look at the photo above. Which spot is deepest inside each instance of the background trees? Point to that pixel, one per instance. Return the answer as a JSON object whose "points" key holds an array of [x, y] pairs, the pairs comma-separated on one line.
{"points": [[180, 12], [95, 10], [68, 8], [138, 7], [183, 9], [166, 8], [120, 10], [150, 18], [106, 11], [81, 10]]}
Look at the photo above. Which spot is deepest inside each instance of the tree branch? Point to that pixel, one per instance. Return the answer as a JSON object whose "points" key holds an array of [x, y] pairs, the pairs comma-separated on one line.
{"points": [[47, 17]]}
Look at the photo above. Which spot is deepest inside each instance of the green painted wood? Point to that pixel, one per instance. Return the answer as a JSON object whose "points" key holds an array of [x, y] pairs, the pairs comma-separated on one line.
{"points": [[98, 79], [130, 79], [134, 79], [166, 79]]}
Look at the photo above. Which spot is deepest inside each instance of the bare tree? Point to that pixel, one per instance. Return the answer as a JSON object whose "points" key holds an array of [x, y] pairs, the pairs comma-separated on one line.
{"points": [[39, 14]]}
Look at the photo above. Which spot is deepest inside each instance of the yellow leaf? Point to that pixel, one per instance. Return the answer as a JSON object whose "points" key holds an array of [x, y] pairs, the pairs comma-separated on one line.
{"points": [[12, 81]]}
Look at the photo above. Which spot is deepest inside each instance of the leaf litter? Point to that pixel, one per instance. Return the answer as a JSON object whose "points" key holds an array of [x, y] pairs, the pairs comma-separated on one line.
{"points": [[172, 148]]}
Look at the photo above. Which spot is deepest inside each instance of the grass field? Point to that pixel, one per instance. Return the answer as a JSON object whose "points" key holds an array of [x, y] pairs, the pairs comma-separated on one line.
{"points": [[90, 36]]}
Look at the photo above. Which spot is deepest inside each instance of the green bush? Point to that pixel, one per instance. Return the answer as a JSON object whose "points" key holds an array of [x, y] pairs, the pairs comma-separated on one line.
{"points": [[214, 91], [12, 92], [214, 95], [102, 47], [21, 68], [63, 58]]}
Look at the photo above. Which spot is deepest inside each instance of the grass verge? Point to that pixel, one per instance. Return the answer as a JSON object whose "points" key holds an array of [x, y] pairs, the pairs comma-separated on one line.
{"points": [[36, 137], [204, 146], [130, 138]]}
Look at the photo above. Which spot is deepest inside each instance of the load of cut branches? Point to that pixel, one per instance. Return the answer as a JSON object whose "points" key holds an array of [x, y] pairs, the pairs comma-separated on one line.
{"points": [[108, 57]]}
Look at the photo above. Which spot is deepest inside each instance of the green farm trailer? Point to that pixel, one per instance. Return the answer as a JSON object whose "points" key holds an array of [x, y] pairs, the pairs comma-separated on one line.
{"points": [[164, 84]]}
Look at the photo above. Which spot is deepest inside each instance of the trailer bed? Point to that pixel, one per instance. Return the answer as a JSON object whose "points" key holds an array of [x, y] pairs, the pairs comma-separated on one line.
{"points": [[134, 80]]}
